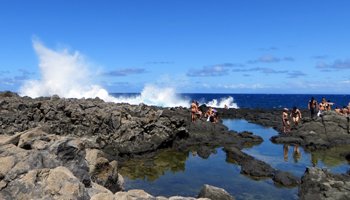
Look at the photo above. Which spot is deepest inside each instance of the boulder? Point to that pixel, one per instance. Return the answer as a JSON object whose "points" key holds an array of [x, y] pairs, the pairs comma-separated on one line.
{"points": [[212, 192], [58, 183]]}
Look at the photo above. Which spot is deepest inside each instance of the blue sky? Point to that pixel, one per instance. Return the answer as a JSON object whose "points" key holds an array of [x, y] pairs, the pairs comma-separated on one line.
{"points": [[225, 46]]}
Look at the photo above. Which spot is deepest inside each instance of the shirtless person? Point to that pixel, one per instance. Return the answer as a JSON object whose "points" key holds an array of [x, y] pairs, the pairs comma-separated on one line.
{"points": [[312, 106], [296, 116], [322, 106], [285, 121], [194, 110]]}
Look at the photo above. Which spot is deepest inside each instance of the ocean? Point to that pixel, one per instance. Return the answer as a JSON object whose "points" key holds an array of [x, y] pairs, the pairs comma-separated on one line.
{"points": [[266, 101]]}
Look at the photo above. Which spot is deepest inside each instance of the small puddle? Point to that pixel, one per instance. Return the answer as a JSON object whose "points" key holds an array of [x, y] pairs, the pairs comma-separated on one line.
{"points": [[172, 172]]}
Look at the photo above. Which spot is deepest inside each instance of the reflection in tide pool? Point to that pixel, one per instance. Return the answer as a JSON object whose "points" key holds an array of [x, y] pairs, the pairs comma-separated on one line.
{"points": [[287, 157], [164, 176], [172, 172]]}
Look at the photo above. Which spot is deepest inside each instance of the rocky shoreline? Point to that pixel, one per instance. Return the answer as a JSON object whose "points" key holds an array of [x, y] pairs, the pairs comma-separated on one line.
{"points": [[55, 148]]}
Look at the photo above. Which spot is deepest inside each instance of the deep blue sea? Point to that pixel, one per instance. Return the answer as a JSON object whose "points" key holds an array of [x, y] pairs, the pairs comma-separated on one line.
{"points": [[258, 100], [272, 100]]}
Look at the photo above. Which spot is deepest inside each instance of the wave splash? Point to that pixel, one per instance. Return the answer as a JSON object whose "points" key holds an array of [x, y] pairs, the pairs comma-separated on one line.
{"points": [[229, 102], [156, 96], [67, 75]]}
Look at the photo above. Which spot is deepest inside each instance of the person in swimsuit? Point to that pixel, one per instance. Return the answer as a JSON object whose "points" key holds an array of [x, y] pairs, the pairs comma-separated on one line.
{"points": [[322, 106], [296, 116], [312, 106], [194, 110], [285, 121]]}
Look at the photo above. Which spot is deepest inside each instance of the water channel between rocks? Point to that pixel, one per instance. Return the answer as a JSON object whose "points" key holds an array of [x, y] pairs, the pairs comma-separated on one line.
{"points": [[172, 172]]}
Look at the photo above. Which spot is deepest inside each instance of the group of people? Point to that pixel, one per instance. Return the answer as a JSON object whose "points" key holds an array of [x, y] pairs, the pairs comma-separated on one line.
{"points": [[295, 114], [326, 105], [196, 113], [316, 109]]}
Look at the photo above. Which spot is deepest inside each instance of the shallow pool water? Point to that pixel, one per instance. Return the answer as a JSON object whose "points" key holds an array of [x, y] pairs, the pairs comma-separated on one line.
{"points": [[287, 157], [183, 173]]}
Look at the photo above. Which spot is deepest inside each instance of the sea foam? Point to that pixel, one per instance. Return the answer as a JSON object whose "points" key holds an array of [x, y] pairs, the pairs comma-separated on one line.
{"points": [[229, 102]]}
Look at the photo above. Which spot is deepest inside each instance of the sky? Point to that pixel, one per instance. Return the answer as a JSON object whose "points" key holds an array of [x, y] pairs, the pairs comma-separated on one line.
{"points": [[195, 46]]}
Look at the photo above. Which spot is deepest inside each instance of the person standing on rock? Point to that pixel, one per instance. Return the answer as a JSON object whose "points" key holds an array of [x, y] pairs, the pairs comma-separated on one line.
{"points": [[322, 106], [195, 112], [296, 116], [285, 121], [312, 106]]}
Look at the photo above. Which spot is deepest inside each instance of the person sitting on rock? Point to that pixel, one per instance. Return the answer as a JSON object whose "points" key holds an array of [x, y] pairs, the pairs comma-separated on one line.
{"points": [[345, 111], [208, 113], [329, 105], [296, 116], [285, 121], [338, 110], [215, 116]]}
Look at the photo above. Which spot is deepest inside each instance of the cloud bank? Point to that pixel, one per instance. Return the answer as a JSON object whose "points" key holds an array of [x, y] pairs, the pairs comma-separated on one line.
{"points": [[125, 72], [207, 71], [336, 65], [270, 59]]}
